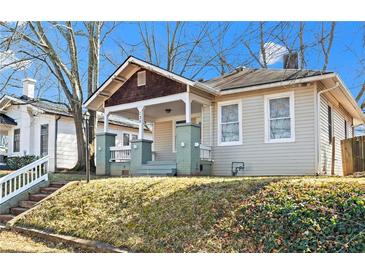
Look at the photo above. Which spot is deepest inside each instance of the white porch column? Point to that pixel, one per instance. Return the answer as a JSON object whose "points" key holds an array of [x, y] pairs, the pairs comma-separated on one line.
{"points": [[106, 121], [141, 122], [188, 108]]}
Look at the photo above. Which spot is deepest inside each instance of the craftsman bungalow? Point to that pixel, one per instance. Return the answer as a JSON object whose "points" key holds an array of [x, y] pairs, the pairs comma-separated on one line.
{"points": [[247, 122]]}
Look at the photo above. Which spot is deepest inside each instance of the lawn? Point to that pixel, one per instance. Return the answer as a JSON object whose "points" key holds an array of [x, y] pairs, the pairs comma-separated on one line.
{"points": [[200, 214], [14, 242]]}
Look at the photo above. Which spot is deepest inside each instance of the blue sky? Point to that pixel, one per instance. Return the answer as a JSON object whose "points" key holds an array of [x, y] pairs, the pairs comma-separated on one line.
{"points": [[345, 56]]}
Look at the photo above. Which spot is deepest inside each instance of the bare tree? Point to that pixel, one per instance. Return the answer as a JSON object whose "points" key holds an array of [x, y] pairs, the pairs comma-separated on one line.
{"points": [[182, 47], [326, 41], [57, 46]]}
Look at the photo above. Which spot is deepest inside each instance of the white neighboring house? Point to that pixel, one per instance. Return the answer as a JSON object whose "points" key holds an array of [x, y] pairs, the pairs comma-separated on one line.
{"points": [[35, 126]]}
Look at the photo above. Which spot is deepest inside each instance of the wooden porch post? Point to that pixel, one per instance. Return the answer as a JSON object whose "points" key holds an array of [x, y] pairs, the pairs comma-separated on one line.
{"points": [[187, 108], [141, 122], [106, 121]]}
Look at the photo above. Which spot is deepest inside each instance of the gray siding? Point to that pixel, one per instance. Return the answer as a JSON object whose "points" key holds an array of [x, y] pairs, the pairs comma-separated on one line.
{"points": [[293, 158], [163, 141], [338, 132], [206, 126]]}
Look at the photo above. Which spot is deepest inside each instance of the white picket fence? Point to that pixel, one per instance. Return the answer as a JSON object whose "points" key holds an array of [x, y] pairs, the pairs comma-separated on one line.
{"points": [[23, 179]]}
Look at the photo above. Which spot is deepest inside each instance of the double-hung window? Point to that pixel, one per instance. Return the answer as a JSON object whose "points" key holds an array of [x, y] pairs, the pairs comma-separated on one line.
{"points": [[44, 140], [16, 141], [230, 123], [126, 139], [279, 118]]}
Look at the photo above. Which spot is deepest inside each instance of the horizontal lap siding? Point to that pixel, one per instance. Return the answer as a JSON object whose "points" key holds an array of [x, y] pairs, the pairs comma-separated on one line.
{"points": [[163, 141], [295, 158], [338, 133], [206, 132], [66, 144]]}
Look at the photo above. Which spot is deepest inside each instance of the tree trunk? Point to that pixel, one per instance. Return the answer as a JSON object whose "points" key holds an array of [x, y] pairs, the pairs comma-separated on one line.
{"points": [[80, 137]]}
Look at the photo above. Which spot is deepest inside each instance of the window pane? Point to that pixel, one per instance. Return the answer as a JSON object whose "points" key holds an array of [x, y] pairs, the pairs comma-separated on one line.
{"points": [[280, 128], [230, 132], [44, 140], [16, 145], [230, 113], [126, 139], [280, 107]]}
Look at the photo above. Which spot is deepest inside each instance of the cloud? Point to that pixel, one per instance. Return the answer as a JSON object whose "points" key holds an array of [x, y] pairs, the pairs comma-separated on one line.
{"points": [[273, 53], [9, 60]]}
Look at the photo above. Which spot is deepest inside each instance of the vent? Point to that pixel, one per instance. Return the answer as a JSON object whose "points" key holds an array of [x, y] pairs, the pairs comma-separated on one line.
{"points": [[141, 78]]}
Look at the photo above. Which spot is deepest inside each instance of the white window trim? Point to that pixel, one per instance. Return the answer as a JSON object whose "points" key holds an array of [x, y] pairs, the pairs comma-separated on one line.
{"points": [[227, 103], [267, 99]]}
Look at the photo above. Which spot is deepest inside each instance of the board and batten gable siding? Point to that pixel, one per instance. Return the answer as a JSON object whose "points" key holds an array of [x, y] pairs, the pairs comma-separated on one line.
{"points": [[260, 158], [338, 132]]}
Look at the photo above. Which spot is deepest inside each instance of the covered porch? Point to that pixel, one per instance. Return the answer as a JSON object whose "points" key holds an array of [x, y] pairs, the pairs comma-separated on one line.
{"points": [[173, 105], [177, 147]]}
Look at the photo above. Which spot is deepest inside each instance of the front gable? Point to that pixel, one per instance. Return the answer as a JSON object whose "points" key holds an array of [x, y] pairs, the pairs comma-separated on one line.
{"points": [[156, 86]]}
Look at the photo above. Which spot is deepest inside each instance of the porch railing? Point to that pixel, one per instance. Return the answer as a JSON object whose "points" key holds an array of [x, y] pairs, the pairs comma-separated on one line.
{"points": [[23, 179], [120, 154], [205, 152]]}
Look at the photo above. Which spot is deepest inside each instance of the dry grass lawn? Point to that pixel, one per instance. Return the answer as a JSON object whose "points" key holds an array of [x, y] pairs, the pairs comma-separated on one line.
{"points": [[202, 214], [17, 243]]}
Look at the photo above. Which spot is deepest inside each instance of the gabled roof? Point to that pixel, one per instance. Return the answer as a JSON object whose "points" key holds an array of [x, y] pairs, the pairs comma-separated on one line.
{"points": [[58, 108], [41, 104], [247, 77], [125, 71], [6, 120]]}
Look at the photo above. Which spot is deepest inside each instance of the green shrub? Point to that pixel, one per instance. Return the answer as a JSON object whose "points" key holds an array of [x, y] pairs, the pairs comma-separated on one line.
{"points": [[16, 162]]}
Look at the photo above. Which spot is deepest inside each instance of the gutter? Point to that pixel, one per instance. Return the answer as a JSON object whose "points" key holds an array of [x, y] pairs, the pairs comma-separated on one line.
{"points": [[55, 144], [317, 122], [279, 84]]}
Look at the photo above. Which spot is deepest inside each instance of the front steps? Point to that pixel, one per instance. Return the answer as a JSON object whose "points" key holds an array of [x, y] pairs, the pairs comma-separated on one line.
{"points": [[32, 200], [157, 168]]}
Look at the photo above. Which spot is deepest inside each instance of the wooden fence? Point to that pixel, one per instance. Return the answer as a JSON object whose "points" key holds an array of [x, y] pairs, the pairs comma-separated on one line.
{"points": [[353, 155]]}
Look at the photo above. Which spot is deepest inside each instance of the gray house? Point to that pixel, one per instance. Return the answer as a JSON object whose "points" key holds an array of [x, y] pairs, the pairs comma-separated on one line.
{"points": [[247, 122]]}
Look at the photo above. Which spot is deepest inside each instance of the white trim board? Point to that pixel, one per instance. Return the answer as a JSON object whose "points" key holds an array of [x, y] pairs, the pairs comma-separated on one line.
{"points": [[240, 138], [267, 99]]}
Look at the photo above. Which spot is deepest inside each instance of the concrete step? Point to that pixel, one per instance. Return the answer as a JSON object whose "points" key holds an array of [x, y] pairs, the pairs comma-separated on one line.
{"points": [[48, 190], [6, 218], [37, 197], [17, 210], [157, 167], [156, 172], [27, 204], [57, 184], [154, 163]]}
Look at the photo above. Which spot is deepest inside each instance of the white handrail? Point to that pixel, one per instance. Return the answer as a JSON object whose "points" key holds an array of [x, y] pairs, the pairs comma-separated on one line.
{"points": [[23, 179], [120, 154], [205, 152]]}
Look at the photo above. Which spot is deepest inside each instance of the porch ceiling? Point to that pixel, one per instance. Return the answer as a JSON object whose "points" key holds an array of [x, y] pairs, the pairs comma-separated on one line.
{"points": [[155, 112]]}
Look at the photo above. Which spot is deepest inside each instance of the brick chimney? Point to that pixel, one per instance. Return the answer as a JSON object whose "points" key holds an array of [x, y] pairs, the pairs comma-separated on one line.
{"points": [[28, 87], [290, 61]]}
